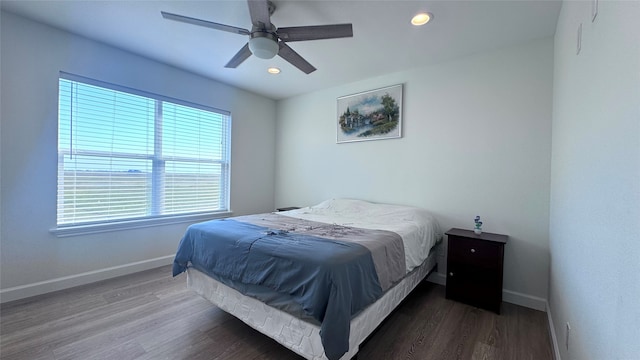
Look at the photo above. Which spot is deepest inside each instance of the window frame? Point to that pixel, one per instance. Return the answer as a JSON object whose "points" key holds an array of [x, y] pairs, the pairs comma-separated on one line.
{"points": [[152, 218]]}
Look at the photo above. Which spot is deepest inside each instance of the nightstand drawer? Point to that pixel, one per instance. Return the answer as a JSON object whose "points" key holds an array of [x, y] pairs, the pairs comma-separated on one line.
{"points": [[474, 252]]}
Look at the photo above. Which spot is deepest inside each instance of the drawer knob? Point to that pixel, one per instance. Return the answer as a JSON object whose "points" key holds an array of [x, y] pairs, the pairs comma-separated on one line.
{"points": [[473, 250], [450, 274]]}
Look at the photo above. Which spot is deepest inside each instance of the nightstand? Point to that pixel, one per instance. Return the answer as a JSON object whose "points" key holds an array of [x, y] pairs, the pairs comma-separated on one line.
{"points": [[287, 208], [474, 268]]}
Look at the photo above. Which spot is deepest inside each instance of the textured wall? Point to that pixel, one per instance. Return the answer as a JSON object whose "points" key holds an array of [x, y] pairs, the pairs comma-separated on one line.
{"points": [[595, 182]]}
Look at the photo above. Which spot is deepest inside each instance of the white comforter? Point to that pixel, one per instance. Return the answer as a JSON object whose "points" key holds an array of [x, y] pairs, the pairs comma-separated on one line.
{"points": [[417, 227]]}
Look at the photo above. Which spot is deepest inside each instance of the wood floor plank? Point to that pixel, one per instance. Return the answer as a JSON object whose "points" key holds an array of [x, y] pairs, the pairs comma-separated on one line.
{"points": [[151, 315], [179, 325], [482, 351], [72, 327], [129, 350], [31, 353], [142, 323], [192, 345]]}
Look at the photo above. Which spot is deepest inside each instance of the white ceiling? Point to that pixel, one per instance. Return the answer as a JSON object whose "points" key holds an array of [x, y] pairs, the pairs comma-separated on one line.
{"points": [[383, 39]]}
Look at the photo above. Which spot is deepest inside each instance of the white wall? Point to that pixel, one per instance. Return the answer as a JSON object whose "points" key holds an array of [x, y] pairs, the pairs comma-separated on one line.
{"points": [[32, 259], [477, 140], [595, 182]]}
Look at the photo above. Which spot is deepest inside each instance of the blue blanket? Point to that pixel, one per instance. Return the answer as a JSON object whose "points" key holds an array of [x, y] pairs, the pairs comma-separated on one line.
{"points": [[331, 280]]}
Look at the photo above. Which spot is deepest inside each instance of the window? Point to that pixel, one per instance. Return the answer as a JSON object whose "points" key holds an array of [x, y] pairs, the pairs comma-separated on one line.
{"points": [[128, 155]]}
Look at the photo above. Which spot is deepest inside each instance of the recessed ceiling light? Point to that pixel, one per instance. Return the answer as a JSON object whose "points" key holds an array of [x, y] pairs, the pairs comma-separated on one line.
{"points": [[422, 18], [273, 70]]}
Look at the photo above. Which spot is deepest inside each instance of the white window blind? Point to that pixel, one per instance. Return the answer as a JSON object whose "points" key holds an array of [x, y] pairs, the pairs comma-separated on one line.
{"points": [[124, 154]]}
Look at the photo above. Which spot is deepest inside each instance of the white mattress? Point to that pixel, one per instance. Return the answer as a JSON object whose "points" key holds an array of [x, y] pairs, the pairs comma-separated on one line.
{"points": [[298, 335], [417, 227]]}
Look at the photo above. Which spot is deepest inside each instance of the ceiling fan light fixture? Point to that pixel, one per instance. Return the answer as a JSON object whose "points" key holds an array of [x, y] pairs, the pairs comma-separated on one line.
{"points": [[263, 47], [265, 39], [421, 18]]}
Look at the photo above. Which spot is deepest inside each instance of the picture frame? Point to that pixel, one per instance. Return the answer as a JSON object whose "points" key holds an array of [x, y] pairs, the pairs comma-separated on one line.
{"points": [[370, 115]]}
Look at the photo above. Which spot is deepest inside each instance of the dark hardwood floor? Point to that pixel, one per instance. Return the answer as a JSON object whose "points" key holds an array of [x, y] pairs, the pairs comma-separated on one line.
{"points": [[150, 315]]}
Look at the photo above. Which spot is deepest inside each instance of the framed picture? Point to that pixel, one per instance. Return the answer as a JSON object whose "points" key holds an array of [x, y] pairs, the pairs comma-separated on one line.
{"points": [[370, 115]]}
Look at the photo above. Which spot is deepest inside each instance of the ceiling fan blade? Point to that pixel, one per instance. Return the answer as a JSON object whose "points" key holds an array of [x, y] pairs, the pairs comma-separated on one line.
{"points": [[209, 24], [302, 33], [239, 57], [294, 58], [259, 11]]}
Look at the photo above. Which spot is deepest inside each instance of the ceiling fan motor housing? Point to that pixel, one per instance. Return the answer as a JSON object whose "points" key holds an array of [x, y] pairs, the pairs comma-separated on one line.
{"points": [[263, 45]]}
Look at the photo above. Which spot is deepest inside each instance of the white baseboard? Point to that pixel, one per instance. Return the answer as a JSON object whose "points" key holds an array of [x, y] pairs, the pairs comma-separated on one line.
{"points": [[437, 278], [513, 297], [554, 338], [43, 287], [529, 301]]}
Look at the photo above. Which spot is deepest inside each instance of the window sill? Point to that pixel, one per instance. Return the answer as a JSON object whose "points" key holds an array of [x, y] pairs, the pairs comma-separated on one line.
{"points": [[67, 231]]}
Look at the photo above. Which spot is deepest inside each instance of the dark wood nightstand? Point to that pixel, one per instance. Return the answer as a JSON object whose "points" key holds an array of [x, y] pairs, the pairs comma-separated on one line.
{"points": [[474, 268], [287, 208]]}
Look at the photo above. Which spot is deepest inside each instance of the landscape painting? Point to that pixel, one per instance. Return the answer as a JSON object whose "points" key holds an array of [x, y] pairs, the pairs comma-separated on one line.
{"points": [[370, 115]]}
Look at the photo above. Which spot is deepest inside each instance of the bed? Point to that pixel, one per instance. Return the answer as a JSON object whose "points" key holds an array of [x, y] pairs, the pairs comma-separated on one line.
{"points": [[318, 279]]}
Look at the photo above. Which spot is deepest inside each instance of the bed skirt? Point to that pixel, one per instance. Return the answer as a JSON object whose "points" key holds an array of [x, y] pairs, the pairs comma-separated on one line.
{"points": [[300, 336]]}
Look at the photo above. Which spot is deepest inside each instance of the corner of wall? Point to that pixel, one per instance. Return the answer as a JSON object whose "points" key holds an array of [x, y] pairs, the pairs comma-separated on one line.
{"points": [[552, 333]]}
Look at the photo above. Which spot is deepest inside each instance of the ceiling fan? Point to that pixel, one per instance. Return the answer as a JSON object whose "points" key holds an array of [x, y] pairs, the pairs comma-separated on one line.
{"points": [[267, 41]]}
